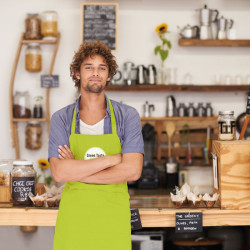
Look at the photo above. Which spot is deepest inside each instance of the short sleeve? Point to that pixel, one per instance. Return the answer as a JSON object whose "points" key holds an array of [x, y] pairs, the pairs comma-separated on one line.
{"points": [[132, 139], [58, 134]]}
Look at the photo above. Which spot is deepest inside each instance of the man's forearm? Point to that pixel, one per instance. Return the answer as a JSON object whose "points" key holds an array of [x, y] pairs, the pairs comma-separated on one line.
{"points": [[75, 170], [112, 175]]}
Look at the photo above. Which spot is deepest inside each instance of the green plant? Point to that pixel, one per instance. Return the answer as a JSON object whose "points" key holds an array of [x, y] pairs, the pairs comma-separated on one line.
{"points": [[163, 49]]}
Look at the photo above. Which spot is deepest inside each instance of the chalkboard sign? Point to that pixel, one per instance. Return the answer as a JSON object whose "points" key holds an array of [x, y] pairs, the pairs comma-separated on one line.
{"points": [[135, 220], [21, 186], [99, 22], [188, 222], [49, 81], [248, 102]]}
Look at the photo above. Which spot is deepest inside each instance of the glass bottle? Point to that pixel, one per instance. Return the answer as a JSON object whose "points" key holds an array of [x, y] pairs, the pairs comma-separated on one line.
{"points": [[23, 181], [226, 126], [38, 109], [32, 27], [181, 110], [191, 110], [21, 108], [33, 134], [49, 24], [200, 110], [209, 110], [33, 57]]}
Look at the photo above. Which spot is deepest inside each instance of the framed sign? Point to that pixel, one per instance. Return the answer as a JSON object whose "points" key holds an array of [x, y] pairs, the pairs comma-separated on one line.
{"points": [[99, 22]]}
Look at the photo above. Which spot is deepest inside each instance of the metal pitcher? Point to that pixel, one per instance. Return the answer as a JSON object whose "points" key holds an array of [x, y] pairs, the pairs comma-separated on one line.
{"points": [[207, 15]]}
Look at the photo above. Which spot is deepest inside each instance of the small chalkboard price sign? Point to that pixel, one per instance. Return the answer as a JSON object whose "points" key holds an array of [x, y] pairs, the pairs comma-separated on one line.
{"points": [[49, 81], [135, 220], [188, 222], [99, 22]]}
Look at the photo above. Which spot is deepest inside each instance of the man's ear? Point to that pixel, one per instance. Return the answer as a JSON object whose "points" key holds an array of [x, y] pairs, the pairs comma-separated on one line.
{"points": [[108, 79], [77, 75]]}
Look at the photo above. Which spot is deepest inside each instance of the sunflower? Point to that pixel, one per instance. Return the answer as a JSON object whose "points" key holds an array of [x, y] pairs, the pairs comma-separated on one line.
{"points": [[43, 163], [161, 28]]}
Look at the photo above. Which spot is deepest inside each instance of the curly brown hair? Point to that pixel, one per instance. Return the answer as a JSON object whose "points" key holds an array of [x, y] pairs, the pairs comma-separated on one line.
{"points": [[88, 50]]}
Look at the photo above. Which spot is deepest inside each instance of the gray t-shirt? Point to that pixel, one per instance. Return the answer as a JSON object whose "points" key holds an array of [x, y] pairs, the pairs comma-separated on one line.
{"points": [[127, 121]]}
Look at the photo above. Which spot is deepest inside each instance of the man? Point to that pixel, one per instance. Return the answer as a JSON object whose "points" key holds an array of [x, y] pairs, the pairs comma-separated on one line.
{"points": [[95, 146]]}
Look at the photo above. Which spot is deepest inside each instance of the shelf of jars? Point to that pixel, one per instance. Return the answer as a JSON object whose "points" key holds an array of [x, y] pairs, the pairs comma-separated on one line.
{"points": [[176, 87], [19, 113], [214, 42], [29, 120]]}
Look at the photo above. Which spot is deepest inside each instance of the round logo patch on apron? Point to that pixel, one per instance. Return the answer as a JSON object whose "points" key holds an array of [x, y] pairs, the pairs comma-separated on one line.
{"points": [[93, 153]]}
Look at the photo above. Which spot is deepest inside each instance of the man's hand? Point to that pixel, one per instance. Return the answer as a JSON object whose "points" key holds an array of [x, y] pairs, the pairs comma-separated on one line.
{"points": [[65, 153]]}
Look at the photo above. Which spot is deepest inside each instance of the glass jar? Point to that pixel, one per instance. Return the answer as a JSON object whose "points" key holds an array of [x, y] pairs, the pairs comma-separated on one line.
{"points": [[200, 110], [181, 110], [209, 110], [33, 57], [49, 24], [21, 108], [191, 110], [32, 27], [38, 109], [5, 188], [23, 181], [226, 126], [33, 135]]}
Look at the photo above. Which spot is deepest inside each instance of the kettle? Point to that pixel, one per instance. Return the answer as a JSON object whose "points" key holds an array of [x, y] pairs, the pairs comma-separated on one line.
{"points": [[127, 72], [223, 25], [189, 31], [171, 106], [152, 74], [142, 73], [207, 15]]}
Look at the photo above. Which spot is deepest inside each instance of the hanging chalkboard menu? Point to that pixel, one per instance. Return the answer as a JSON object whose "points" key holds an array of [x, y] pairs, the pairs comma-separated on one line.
{"points": [[99, 22]]}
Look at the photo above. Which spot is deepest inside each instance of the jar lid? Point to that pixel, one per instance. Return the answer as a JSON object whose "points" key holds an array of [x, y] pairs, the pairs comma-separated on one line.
{"points": [[34, 122], [22, 92], [21, 163], [33, 44], [32, 14], [228, 112]]}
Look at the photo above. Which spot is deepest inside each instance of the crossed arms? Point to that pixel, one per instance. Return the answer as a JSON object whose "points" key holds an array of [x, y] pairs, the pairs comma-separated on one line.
{"points": [[109, 169]]}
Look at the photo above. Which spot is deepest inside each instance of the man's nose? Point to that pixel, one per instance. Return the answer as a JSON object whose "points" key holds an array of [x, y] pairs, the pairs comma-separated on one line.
{"points": [[95, 71]]}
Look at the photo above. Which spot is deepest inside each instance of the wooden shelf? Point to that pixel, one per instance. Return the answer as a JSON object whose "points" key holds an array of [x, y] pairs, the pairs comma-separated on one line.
{"points": [[154, 217], [179, 118], [29, 119], [174, 87], [14, 121], [40, 41], [214, 43]]}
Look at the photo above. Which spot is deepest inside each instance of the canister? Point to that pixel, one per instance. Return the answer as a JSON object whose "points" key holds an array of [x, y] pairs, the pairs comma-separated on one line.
{"points": [[23, 181], [33, 57], [49, 24], [32, 26], [5, 189], [226, 126]]}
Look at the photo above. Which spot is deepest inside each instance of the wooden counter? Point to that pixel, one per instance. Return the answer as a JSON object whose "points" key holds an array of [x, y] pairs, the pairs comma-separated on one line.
{"points": [[151, 214]]}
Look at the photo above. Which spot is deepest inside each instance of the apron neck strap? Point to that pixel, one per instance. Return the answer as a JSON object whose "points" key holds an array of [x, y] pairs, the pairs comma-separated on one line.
{"points": [[112, 114], [113, 121]]}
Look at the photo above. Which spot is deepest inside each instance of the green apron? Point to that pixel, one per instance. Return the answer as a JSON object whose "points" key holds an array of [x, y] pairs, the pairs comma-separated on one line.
{"points": [[93, 216]]}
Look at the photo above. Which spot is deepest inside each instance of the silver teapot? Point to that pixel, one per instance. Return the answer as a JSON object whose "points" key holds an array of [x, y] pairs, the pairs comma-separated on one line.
{"points": [[189, 31]]}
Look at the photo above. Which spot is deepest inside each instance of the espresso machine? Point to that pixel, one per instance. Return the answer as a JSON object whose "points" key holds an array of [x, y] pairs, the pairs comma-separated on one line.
{"points": [[207, 16]]}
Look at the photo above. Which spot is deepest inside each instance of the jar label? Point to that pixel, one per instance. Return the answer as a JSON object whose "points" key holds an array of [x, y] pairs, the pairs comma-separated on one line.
{"points": [[21, 186], [226, 128]]}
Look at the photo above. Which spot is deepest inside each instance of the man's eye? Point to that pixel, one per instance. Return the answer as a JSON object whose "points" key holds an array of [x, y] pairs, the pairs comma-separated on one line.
{"points": [[102, 68], [88, 67]]}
